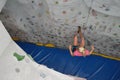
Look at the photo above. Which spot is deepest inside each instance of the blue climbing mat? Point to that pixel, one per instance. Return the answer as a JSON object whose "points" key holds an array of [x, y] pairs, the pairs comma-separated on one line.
{"points": [[91, 67]]}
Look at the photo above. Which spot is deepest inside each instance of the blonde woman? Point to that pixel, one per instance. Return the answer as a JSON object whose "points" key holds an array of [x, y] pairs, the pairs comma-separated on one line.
{"points": [[78, 49]]}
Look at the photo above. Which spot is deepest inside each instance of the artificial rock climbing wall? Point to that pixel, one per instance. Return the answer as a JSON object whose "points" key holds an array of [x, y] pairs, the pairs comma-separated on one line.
{"points": [[2, 3], [55, 21]]}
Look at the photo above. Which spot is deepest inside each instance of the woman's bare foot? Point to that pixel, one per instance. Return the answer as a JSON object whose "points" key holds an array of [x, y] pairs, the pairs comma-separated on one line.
{"points": [[79, 29]]}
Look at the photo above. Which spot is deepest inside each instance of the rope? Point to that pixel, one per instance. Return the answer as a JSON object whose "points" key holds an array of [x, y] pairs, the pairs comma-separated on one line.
{"points": [[90, 9]]}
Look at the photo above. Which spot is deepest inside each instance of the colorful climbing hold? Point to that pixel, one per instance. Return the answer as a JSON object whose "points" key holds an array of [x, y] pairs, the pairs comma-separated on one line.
{"points": [[119, 26], [56, 2], [19, 57]]}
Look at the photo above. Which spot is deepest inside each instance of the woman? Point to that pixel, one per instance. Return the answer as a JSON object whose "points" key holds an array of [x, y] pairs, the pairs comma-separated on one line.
{"points": [[79, 49]]}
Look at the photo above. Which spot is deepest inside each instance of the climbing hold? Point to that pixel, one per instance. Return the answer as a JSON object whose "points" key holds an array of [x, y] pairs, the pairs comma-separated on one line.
{"points": [[19, 57], [119, 26], [17, 70]]}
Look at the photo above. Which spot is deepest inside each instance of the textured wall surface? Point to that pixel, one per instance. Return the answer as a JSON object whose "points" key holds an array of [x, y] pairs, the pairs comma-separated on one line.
{"points": [[2, 3], [55, 21]]}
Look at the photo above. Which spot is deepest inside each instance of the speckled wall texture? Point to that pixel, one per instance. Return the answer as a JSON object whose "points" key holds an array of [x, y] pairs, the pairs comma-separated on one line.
{"points": [[55, 21]]}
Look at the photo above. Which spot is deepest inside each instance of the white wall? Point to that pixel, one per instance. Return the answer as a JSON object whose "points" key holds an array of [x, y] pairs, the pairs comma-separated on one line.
{"points": [[5, 38], [2, 3]]}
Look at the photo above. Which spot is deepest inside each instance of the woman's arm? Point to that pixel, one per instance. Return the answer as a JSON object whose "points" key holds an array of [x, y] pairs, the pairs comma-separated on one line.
{"points": [[92, 49], [70, 49]]}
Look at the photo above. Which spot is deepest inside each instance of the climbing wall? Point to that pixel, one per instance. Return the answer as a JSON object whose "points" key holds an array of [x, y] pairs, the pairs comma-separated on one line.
{"points": [[55, 21], [2, 3], [17, 65]]}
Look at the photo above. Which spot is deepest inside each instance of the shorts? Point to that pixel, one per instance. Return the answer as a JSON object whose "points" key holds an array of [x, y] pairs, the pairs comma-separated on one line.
{"points": [[74, 48]]}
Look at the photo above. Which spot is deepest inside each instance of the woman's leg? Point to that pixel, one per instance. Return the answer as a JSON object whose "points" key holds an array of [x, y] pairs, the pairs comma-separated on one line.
{"points": [[82, 43], [75, 43]]}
